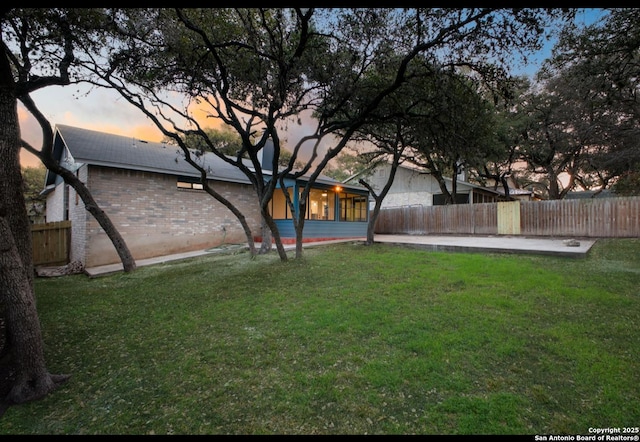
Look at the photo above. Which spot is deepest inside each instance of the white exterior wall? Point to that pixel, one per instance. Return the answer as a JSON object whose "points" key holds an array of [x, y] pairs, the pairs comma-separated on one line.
{"points": [[410, 187], [55, 204], [79, 217], [408, 199]]}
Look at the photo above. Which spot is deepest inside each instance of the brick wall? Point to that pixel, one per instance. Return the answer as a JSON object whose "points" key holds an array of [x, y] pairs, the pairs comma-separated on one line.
{"points": [[156, 218]]}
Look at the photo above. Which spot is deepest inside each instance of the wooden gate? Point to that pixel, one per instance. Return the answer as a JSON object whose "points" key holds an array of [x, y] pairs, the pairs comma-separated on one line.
{"points": [[51, 243], [509, 218]]}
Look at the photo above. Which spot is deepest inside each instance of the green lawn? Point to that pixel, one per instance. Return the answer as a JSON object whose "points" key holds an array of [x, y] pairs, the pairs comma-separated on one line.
{"points": [[349, 340]]}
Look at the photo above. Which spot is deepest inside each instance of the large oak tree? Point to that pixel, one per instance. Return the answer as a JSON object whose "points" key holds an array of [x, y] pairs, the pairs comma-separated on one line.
{"points": [[258, 70], [38, 51]]}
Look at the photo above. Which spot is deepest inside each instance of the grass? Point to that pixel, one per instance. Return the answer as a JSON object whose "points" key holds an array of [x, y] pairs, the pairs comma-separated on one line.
{"points": [[349, 340]]}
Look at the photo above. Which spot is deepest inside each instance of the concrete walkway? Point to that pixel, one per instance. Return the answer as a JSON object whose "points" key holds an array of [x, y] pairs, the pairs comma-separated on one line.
{"points": [[114, 268], [479, 244], [577, 248]]}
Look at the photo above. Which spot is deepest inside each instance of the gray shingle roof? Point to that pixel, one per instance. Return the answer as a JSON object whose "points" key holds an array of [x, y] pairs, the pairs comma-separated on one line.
{"points": [[103, 149]]}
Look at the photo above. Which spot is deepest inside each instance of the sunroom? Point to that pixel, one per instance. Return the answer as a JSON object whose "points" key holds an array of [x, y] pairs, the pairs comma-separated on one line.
{"points": [[333, 211]]}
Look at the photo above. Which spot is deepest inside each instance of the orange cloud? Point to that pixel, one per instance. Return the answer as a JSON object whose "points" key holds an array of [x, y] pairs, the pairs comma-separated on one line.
{"points": [[142, 132], [23, 115], [203, 115], [148, 133], [28, 160]]}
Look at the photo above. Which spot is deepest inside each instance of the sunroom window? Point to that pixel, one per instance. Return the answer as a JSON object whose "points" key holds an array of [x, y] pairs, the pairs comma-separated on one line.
{"points": [[353, 207], [321, 205], [279, 206]]}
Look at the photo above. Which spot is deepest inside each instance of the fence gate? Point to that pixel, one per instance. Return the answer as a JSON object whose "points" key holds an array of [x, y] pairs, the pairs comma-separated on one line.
{"points": [[509, 218], [51, 243]]}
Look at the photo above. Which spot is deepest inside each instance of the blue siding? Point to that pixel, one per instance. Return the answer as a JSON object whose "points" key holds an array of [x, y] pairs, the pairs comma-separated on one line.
{"points": [[323, 229]]}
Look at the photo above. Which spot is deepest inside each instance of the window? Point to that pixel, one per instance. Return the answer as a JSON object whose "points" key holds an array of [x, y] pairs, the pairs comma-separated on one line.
{"points": [[440, 200], [279, 205], [321, 205], [483, 198], [353, 207], [189, 183]]}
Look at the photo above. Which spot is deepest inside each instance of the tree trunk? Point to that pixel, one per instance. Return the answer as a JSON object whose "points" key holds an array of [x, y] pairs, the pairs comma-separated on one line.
{"points": [[24, 356], [454, 188], [128, 263], [505, 186], [299, 240], [275, 235], [554, 190], [437, 174], [299, 226], [241, 218], [266, 244], [371, 225]]}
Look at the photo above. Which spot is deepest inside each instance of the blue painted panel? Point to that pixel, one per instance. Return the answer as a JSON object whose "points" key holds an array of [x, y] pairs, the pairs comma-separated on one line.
{"points": [[323, 229]]}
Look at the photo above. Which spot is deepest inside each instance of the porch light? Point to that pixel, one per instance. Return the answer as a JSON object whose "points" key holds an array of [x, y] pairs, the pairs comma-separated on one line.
{"points": [[338, 189]]}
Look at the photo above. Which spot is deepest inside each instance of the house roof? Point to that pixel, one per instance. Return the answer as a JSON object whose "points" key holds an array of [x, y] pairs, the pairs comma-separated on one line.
{"points": [[418, 170], [104, 149]]}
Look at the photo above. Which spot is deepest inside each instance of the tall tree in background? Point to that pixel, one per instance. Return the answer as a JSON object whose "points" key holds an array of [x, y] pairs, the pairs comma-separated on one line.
{"points": [[596, 71], [548, 144], [348, 163], [35, 202], [225, 139], [457, 134], [390, 147], [501, 170], [391, 129]]}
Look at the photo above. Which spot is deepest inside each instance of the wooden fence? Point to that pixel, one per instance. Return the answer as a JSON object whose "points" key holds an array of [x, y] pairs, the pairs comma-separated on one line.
{"points": [[598, 218], [51, 243]]}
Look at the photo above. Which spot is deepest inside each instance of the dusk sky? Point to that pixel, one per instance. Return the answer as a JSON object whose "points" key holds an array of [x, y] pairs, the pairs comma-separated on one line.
{"points": [[106, 111]]}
